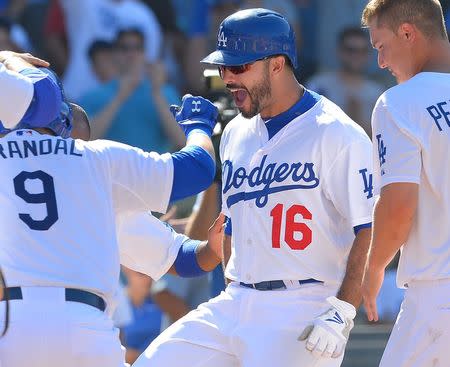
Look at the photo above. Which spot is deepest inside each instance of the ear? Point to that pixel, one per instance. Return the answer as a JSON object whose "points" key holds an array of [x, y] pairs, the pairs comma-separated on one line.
{"points": [[277, 64], [407, 32]]}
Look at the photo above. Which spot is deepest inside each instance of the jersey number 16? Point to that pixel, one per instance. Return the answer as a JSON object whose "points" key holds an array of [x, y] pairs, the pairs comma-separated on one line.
{"points": [[291, 227]]}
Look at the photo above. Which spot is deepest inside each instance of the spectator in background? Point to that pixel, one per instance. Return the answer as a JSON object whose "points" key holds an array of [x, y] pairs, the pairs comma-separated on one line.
{"points": [[88, 20], [13, 37], [31, 15], [146, 321], [174, 45], [6, 43], [103, 58], [333, 16], [56, 38], [133, 108], [349, 86], [177, 296]]}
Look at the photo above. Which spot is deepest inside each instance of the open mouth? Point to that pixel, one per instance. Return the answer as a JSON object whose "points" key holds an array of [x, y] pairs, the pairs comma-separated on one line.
{"points": [[239, 96]]}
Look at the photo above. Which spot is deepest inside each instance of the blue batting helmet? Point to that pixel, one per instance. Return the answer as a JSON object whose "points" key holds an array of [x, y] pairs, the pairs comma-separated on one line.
{"points": [[62, 124], [253, 34]]}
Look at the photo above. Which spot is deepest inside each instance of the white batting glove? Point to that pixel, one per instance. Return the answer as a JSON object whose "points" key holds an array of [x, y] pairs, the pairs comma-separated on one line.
{"points": [[328, 334]]}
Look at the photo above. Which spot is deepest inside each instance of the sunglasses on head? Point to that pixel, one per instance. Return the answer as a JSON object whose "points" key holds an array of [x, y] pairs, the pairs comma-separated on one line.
{"points": [[237, 69]]}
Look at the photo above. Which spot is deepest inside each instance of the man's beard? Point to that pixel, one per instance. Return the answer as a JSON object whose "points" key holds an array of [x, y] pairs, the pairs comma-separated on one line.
{"points": [[257, 94]]}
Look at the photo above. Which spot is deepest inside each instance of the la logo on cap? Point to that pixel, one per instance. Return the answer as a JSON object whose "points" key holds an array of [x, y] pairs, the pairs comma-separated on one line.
{"points": [[221, 39]]}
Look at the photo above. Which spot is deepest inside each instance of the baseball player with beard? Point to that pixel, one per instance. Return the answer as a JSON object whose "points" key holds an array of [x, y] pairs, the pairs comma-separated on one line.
{"points": [[297, 191], [411, 148]]}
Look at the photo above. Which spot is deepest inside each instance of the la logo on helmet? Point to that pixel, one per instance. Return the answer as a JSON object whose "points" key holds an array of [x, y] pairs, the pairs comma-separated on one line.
{"points": [[221, 39]]}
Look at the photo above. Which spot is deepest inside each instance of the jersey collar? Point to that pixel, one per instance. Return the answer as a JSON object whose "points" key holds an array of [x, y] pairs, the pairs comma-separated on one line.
{"points": [[304, 104]]}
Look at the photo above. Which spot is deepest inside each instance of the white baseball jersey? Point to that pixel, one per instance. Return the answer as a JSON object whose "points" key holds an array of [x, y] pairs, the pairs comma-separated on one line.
{"points": [[59, 200], [411, 142], [146, 244], [16, 93], [295, 199]]}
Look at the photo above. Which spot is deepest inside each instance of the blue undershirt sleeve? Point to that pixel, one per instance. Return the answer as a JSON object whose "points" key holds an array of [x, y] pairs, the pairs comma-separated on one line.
{"points": [[186, 264], [193, 172], [46, 103], [361, 226]]}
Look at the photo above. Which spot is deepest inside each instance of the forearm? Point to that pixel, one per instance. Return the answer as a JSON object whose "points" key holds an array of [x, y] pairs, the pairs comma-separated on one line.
{"points": [[350, 290], [102, 121], [206, 258], [202, 141], [169, 125], [202, 219], [393, 219], [171, 305]]}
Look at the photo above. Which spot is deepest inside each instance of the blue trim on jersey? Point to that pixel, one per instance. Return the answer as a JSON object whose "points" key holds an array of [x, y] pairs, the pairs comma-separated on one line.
{"points": [[228, 227], [186, 264], [47, 98], [361, 226], [193, 172], [308, 100]]}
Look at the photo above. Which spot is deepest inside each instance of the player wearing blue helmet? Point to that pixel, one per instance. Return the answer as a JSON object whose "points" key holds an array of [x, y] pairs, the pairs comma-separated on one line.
{"points": [[297, 191], [59, 232]]}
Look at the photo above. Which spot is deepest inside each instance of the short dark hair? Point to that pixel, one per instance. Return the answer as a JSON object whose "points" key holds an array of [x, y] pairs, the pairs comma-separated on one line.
{"points": [[348, 32], [5, 24], [127, 31], [98, 46], [81, 125], [426, 15]]}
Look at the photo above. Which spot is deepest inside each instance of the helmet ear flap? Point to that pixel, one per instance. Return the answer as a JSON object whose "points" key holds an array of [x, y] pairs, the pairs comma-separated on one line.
{"points": [[253, 34]]}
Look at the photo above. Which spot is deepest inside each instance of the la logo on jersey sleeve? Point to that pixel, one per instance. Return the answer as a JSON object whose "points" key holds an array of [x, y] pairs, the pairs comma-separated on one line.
{"points": [[367, 182], [381, 152]]}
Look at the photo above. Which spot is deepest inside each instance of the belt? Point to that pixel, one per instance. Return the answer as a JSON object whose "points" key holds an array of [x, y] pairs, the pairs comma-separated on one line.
{"points": [[71, 295], [276, 284]]}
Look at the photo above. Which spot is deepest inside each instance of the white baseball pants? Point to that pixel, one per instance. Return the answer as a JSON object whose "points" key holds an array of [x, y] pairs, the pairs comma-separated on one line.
{"points": [[421, 334], [47, 331], [243, 327]]}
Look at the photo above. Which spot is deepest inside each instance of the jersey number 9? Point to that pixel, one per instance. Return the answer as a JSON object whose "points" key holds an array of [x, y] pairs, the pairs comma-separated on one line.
{"points": [[47, 197]]}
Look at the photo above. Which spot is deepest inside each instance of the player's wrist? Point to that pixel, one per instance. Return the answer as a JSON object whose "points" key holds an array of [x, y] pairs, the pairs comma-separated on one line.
{"points": [[198, 128], [345, 308]]}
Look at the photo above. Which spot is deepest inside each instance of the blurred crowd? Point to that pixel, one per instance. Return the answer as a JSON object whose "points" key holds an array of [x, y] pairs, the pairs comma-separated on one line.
{"points": [[126, 61]]}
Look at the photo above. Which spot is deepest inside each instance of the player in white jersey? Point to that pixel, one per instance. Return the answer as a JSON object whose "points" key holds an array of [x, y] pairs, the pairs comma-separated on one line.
{"points": [[59, 251], [296, 187], [148, 245], [411, 147]]}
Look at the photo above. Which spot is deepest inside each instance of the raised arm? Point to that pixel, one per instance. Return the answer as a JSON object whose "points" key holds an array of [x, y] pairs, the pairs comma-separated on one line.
{"points": [[194, 165]]}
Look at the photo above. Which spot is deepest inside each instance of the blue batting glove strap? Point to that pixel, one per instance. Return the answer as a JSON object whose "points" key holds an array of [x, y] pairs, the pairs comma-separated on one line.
{"points": [[195, 113]]}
